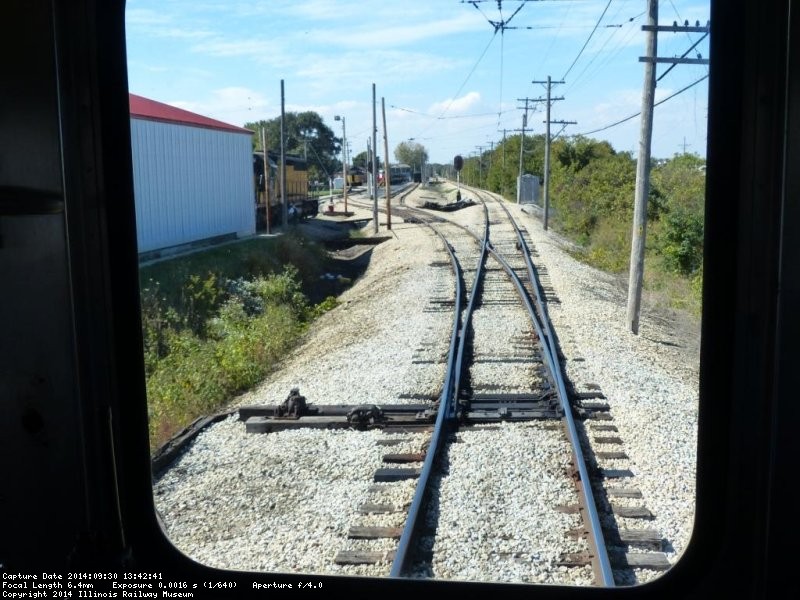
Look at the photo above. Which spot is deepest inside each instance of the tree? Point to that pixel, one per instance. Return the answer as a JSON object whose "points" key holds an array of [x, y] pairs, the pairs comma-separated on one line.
{"points": [[306, 135], [360, 160], [411, 153], [680, 184]]}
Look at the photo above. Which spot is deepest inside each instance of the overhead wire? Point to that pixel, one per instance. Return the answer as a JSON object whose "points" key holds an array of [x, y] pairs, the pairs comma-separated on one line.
{"points": [[612, 54], [684, 55], [587, 41], [599, 52], [621, 121]]}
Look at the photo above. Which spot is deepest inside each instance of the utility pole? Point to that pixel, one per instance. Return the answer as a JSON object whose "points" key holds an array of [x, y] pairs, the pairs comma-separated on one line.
{"points": [[639, 233], [344, 159], [266, 176], [374, 165], [284, 208], [549, 102], [386, 175], [504, 148], [522, 143], [480, 166], [642, 175]]}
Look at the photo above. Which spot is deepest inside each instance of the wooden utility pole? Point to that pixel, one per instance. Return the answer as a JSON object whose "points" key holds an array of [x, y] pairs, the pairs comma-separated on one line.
{"points": [[386, 175], [548, 102], [480, 166], [642, 174], [639, 234], [522, 146], [374, 165], [284, 207], [266, 176]]}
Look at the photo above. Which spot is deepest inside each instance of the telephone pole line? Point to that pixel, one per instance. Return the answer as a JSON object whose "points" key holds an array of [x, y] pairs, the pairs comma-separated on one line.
{"points": [[386, 172], [284, 208], [550, 101], [374, 164], [480, 166], [639, 233], [522, 139]]}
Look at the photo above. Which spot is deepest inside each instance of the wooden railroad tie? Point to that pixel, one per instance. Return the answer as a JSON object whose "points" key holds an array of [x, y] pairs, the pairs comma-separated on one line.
{"points": [[616, 473], [611, 455], [632, 512], [374, 533], [607, 439], [575, 559], [404, 458], [384, 475], [621, 492], [602, 427], [646, 538], [357, 557], [369, 508], [656, 561]]}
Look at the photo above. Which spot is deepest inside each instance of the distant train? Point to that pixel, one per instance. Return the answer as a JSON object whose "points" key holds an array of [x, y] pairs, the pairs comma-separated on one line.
{"points": [[356, 177], [270, 187], [398, 174]]}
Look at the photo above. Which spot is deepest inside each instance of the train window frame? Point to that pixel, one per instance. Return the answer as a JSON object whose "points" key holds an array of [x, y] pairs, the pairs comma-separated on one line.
{"points": [[115, 525]]}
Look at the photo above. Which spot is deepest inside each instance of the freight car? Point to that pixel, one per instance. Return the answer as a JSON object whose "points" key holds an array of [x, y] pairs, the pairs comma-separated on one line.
{"points": [[356, 178], [268, 189]]}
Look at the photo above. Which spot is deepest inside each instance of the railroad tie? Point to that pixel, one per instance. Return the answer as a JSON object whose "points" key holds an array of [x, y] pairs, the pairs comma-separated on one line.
{"points": [[409, 457], [645, 538], [384, 475], [358, 532], [358, 557], [623, 492], [632, 512]]}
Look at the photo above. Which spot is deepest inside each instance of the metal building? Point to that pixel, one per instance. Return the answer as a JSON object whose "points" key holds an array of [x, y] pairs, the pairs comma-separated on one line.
{"points": [[528, 189], [192, 175]]}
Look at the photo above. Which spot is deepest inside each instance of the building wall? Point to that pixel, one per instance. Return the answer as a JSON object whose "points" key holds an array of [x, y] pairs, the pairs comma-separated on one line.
{"points": [[190, 183]]}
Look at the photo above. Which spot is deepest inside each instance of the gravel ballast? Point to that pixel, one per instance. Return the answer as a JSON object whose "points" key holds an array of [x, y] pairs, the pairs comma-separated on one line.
{"points": [[285, 501]]}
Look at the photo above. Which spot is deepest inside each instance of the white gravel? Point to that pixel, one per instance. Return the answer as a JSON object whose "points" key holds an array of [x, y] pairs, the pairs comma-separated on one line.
{"points": [[284, 501]]}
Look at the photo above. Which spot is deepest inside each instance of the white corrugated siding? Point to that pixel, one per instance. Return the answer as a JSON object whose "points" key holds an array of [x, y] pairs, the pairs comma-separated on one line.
{"points": [[190, 183]]}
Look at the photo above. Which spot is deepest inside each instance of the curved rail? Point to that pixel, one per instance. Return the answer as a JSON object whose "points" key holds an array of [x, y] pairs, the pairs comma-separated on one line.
{"points": [[415, 510], [596, 540], [541, 321], [468, 312]]}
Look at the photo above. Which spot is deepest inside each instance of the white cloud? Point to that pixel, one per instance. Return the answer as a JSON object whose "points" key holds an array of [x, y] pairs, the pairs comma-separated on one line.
{"points": [[457, 105], [235, 105]]}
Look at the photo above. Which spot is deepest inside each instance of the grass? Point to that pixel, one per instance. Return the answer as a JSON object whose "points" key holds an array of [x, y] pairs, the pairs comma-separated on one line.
{"points": [[217, 322]]}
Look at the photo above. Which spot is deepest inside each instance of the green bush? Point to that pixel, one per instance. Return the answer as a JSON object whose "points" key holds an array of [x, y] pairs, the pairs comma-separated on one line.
{"points": [[208, 337], [681, 241]]}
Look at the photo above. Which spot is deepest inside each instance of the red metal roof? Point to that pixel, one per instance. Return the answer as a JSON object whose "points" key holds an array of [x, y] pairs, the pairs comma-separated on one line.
{"points": [[144, 108]]}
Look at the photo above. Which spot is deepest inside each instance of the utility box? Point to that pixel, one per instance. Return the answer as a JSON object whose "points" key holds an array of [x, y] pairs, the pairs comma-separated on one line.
{"points": [[528, 189]]}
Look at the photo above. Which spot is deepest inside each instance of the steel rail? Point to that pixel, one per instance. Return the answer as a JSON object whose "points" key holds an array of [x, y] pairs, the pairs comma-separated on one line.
{"points": [[596, 540], [415, 510], [470, 307]]}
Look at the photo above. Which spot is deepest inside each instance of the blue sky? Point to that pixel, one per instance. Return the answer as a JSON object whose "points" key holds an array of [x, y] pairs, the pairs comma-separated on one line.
{"points": [[449, 80]]}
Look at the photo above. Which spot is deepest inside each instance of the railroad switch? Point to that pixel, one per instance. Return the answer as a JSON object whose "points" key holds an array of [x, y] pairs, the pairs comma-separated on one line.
{"points": [[366, 415], [293, 407]]}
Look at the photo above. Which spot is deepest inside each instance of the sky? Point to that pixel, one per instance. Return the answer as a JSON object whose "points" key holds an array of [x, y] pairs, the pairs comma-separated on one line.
{"points": [[452, 74]]}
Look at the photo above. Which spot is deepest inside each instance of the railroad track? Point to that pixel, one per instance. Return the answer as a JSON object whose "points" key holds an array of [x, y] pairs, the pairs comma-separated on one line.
{"points": [[492, 293], [510, 242], [503, 414]]}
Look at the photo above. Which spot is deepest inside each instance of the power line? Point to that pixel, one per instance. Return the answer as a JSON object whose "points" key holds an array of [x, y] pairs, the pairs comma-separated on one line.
{"points": [[684, 55], [475, 66], [472, 116], [587, 40], [704, 77]]}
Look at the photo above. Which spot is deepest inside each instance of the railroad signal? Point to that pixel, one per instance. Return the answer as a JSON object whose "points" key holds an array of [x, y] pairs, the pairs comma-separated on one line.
{"points": [[458, 162]]}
